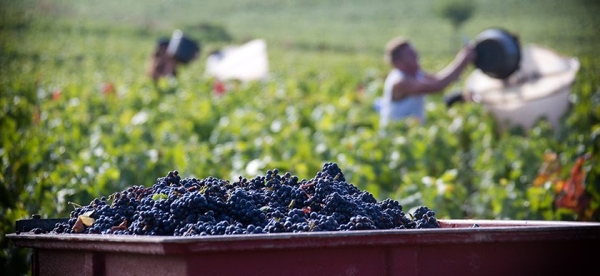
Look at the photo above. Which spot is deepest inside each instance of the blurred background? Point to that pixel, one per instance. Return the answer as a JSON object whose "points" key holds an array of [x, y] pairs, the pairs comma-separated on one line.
{"points": [[81, 118]]}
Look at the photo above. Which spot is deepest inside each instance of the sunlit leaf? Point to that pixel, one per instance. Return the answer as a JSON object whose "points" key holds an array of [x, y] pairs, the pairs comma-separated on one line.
{"points": [[160, 196], [87, 221]]}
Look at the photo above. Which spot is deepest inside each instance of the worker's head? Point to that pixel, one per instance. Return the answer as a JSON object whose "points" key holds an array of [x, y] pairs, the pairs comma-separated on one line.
{"points": [[161, 46], [400, 53]]}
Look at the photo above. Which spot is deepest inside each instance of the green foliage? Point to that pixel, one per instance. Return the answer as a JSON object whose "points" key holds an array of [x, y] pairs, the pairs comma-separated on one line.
{"points": [[65, 137]]}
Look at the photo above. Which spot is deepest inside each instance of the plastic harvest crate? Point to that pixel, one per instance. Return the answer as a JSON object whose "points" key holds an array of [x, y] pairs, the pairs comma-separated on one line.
{"points": [[496, 247]]}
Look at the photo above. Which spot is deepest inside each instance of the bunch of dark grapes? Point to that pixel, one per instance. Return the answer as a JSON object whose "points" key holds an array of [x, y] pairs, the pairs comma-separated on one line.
{"points": [[425, 218], [271, 203]]}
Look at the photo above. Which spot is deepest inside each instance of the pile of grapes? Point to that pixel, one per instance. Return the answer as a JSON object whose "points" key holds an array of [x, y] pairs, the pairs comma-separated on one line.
{"points": [[273, 203]]}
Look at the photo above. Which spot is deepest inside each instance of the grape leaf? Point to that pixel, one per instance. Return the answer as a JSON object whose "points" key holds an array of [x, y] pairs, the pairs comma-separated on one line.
{"points": [[160, 196], [573, 195]]}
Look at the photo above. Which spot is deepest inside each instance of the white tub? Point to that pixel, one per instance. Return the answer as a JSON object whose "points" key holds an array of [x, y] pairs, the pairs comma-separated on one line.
{"points": [[538, 90]]}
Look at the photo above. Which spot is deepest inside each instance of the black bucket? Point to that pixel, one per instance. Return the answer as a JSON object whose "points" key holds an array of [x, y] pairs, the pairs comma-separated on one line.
{"points": [[498, 53], [182, 48]]}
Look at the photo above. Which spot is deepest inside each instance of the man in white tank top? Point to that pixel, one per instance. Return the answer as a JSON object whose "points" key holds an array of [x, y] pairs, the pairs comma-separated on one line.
{"points": [[406, 85]]}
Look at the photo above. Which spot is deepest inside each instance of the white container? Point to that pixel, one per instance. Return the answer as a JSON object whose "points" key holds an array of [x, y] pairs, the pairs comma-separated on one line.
{"points": [[538, 90], [246, 62]]}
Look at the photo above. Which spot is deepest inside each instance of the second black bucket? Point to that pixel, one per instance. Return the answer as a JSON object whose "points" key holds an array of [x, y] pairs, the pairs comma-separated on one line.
{"points": [[182, 48]]}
